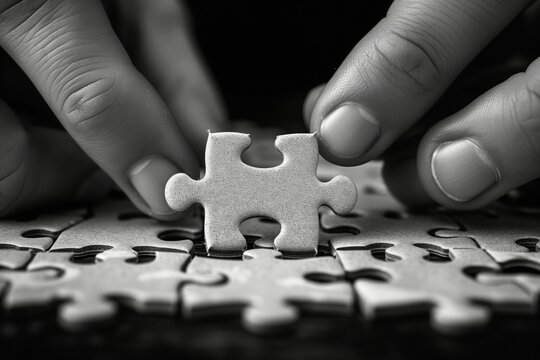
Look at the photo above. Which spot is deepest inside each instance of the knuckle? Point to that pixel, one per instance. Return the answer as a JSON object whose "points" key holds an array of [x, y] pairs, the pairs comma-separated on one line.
{"points": [[409, 61], [88, 99]]}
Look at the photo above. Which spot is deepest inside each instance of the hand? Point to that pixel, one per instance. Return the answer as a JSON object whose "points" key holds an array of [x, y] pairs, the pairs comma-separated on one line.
{"points": [[394, 76], [140, 122]]}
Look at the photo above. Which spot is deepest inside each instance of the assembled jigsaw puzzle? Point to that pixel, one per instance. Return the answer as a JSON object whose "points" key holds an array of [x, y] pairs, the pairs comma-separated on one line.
{"points": [[265, 252]]}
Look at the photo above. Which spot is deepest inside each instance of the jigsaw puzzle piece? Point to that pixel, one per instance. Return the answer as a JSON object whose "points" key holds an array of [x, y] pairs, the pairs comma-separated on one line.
{"points": [[528, 281], [14, 258], [268, 288], [225, 148], [39, 232], [409, 282], [119, 226], [394, 228], [497, 230], [232, 191], [88, 291]]}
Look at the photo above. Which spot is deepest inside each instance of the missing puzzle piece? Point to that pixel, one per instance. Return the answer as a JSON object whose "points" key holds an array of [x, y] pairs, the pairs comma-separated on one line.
{"points": [[232, 191]]}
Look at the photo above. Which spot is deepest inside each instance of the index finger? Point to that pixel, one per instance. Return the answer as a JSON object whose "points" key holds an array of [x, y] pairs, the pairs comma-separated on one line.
{"points": [[398, 71], [71, 54]]}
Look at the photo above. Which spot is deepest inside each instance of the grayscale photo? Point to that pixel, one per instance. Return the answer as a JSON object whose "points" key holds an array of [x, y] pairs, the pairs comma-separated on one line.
{"points": [[203, 179]]}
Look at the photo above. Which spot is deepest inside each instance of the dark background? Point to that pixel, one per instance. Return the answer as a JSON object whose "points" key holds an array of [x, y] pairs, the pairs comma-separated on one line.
{"points": [[266, 56]]}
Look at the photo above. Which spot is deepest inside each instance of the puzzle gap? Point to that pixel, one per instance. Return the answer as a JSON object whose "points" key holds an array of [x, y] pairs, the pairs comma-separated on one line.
{"points": [[380, 254], [343, 229], [419, 312], [39, 233], [321, 278], [436, 257], [369, 274], [132, 215], [87, 255], [178, 234], [394, 215], [143, 258], [521, 268], [435, 253], [530, 244]]}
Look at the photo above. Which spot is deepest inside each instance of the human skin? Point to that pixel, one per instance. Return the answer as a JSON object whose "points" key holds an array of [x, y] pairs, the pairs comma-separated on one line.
{"points": [[397, 72], [136, 124]]}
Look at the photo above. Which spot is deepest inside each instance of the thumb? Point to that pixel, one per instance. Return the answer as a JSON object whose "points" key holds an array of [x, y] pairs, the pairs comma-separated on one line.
{"points": [[71, 54]]}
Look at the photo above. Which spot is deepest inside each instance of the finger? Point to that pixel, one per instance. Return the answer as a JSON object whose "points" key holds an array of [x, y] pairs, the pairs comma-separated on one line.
{"points": [[398, 70], [71, 54], [310, 101], [167, 55], [487, 149], [33, 168]]}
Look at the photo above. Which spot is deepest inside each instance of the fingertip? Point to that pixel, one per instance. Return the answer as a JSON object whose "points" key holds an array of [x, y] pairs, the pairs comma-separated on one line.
{"points": [[149, 178], [348, 133]]}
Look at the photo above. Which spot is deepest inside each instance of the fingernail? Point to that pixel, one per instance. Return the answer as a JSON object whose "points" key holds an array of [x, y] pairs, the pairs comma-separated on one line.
{"points": [[149, 177], [462, 170], [349, 131]]}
